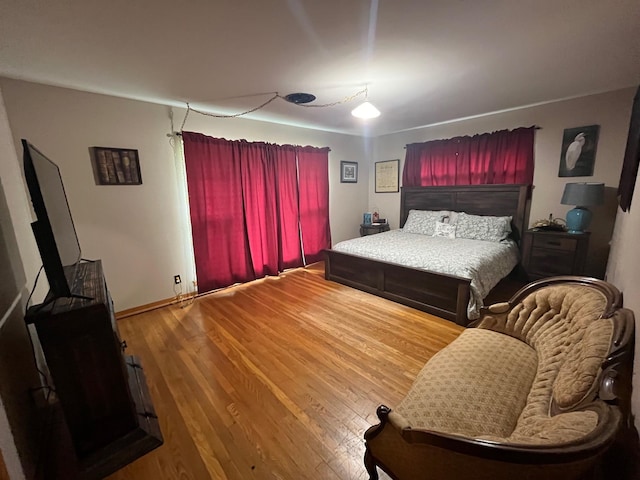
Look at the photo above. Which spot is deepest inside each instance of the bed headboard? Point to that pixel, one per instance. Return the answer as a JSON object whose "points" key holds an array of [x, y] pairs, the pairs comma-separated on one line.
{"points": [[498, 200]]}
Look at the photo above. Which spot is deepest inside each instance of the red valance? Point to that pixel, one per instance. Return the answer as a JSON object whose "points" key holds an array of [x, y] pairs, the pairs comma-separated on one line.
{"points": [[505, 156]]}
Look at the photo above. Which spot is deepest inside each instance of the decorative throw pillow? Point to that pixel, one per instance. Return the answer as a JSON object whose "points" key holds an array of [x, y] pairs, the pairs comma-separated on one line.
{"points": [[445, 230], [483, 227], [423, 221]]}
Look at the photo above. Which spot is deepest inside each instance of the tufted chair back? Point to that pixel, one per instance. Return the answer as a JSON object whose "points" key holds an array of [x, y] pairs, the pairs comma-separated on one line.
{"points": [[567, 325]]}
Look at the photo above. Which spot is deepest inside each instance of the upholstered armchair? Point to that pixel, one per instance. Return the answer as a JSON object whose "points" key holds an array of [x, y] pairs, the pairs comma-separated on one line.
{"points": [[539, 389]]}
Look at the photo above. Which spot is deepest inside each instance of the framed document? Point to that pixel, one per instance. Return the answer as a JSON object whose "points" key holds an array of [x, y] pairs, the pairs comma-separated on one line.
{"points": [[348, 172], [387, 176]]}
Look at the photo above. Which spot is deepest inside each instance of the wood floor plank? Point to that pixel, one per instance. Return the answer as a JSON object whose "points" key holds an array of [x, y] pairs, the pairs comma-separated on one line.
{"points": [[276, 379], [178, 458]]}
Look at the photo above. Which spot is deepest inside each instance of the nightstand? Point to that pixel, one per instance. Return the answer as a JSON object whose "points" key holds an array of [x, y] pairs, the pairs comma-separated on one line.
{"points": [[371, 229], [549, 253]]}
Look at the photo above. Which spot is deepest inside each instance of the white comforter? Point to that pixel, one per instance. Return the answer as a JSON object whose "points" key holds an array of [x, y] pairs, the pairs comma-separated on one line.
{"points": [[485, 263]]}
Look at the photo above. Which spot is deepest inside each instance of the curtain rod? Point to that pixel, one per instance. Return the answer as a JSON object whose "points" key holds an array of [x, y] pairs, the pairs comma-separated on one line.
{"points": [[535, 127], [179, 134]]}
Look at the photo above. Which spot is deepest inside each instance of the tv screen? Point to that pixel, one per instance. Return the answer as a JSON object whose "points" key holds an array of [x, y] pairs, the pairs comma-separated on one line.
{"points": [[54, 229]]}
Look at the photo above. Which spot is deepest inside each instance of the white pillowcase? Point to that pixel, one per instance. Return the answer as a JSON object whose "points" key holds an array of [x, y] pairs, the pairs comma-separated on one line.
{"points": [[483, 227], [445, 230], [423, 221]]}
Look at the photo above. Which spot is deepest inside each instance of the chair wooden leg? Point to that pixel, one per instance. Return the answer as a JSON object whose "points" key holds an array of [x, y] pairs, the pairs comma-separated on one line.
{"points": [[370, 465]]}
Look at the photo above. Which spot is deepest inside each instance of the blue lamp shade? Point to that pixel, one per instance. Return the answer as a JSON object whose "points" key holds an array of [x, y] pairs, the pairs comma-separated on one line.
{"points": [[582, 195]]}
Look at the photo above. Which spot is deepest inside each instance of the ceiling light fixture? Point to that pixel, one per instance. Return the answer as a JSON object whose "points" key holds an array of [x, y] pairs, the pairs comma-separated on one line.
{"points": [[300, 98], [365, 110]]}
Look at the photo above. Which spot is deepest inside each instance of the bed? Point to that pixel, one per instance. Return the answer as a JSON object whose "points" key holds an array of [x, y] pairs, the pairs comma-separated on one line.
{"points": [[443, 294]]}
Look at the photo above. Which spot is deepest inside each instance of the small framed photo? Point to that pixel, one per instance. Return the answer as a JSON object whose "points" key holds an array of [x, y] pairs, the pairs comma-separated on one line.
{"points": [[348, 172], [387, 176], [116, 166]]}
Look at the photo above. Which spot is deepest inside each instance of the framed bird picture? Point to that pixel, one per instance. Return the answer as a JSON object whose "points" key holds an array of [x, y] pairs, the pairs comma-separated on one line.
{"points": [[578, 153]]}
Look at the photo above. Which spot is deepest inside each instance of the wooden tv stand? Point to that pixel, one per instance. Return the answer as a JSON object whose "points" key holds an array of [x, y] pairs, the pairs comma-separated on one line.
{"points": [[107, 408]]}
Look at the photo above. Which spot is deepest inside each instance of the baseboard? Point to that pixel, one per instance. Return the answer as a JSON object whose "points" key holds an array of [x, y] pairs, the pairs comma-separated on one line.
{"points": [[153, 306], [317, 266]]}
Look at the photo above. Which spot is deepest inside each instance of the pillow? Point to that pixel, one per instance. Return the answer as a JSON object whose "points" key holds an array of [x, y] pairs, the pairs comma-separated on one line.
{"points": [[445, 230], [453, 218], [423, 221], [483, 227]]}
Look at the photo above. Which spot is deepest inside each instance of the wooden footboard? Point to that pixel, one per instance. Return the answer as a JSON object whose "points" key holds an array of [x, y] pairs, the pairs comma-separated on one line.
{"points": [[446, 296]]}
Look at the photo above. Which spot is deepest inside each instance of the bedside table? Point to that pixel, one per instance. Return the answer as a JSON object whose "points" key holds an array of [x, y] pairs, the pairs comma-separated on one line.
{"points": [[548, 253], [370, 229]]}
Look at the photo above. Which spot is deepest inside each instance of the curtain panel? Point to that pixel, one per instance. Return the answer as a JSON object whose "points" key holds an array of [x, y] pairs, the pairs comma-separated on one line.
{"points": [[505, 156], [251, 207], [313, 173]]}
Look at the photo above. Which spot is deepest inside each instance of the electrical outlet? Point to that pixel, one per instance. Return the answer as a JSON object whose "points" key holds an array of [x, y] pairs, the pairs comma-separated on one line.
{"points": [[177, 280]]}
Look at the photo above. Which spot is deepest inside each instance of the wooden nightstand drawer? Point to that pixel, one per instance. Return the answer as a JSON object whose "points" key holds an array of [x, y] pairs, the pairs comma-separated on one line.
{"points": [[557, 243], [547, 254], [547, 262]]}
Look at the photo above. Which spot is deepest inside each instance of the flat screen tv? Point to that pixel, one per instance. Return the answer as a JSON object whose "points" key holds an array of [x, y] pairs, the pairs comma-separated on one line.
{"points": [[53, 229]]}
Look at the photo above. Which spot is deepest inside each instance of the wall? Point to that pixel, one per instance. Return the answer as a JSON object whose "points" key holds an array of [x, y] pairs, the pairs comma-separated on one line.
{"points": [[140, 231], [624, 272], [19, 263], [19, 417], [609, 110]]}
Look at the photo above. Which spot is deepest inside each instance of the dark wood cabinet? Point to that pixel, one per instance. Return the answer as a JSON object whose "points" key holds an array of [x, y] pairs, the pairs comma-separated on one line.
{"points": [[108, 412], [549, 253], [371, 229]]}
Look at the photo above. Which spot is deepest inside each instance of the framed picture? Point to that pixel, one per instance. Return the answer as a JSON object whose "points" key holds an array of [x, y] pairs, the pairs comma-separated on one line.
{"points": [[578, 153], [116, 166], [348, 172], [387, 176]]}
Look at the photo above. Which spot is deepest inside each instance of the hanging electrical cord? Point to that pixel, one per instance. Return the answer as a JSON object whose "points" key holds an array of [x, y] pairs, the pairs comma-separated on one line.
{"points": [[333, 104], [35, 284], [275, 96]]}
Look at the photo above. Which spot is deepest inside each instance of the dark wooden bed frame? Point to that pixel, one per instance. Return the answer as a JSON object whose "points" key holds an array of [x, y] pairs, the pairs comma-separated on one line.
{"points": [[446, 296]]}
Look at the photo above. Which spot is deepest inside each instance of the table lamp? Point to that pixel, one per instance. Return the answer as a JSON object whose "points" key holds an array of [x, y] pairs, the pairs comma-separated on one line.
{"points": [[582, 195]]}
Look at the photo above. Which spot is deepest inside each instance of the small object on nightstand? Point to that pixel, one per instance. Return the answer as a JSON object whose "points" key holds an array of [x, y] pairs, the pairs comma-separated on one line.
{"points": [[547, 253], [373, 228], [552, 224]]}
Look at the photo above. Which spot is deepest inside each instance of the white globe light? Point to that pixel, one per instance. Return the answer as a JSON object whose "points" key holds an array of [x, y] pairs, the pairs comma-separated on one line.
{"points": [[365, 110]]}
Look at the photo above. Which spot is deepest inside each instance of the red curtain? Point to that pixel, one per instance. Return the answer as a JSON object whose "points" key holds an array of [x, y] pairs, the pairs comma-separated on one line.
{"points": [[313, 172], [258, 191], [217, 214], [500, 157], [245, 208], [288, 209]]}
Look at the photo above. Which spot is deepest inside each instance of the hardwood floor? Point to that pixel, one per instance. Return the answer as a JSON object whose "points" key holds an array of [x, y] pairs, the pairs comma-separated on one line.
{"points": [[276, 379]]}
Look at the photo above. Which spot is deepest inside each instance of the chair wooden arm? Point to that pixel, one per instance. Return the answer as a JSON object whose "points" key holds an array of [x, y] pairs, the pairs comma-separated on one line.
{"points": [[587, 447]]}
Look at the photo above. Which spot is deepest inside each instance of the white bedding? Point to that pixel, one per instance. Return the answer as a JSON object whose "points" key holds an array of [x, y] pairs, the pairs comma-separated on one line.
{"points": [[485, 263]]}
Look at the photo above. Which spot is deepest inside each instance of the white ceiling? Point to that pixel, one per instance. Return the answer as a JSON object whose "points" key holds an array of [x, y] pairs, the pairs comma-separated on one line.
{"points": [[425, 61]]}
